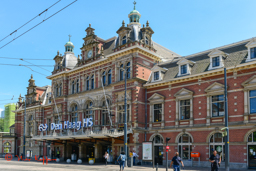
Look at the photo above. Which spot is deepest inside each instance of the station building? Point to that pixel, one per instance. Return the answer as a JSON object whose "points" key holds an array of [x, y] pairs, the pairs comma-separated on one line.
{"points": [[167, 96]]}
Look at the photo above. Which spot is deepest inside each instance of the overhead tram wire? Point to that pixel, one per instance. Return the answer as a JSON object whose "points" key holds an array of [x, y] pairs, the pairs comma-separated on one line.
{"points": [[28, 65], [24, 58], [15, 31], [37, 24], [35, 65]]}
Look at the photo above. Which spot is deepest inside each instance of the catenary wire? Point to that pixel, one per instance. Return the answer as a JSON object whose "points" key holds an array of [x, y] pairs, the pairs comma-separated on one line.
{"points": [[37, 24], [30, 20]]}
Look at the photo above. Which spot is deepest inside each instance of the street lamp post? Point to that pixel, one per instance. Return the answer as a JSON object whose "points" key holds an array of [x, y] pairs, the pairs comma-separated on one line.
{"points": [[226, 120], [125, 115], [24, 130]]}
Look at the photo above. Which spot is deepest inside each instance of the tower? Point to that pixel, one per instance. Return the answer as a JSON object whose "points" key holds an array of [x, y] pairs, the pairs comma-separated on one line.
{"points": [[134, 16], [69, 47]]}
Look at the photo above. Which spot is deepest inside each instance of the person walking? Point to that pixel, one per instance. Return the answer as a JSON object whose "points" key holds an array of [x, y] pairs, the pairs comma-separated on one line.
{"points": [[215, 160], [106, 158], [176, 161], [121, 159], [134, 154]]}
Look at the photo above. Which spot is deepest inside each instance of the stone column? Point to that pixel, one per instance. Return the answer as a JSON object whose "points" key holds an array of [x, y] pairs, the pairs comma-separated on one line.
{"points": [[82, 151], [208, 118]]}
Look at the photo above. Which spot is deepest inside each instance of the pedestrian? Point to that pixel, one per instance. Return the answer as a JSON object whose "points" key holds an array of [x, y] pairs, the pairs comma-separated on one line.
{"points": [[134, 157], [121, 159], [215, 160], [58, 153], [176, 161], [106, 158]]}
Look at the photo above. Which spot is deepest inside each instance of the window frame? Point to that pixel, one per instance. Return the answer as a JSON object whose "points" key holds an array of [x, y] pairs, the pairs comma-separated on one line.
{"points": [[217, 144], [181, 144], [211, 100], [157, 73], [124, 40], [181, 70], [180, 106], [109, 77], [249, 102], [160, 110], [92, 82], [215, 61]]}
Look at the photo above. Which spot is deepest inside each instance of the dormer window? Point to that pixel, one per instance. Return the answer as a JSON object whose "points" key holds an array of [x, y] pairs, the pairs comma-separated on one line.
{"points": [[216, 61], [124, 40], [146, 40], [253, 52], [156, 75], [185, 66], [183, 69]]}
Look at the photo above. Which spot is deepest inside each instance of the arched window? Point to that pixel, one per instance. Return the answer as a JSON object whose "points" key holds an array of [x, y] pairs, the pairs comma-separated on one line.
{"points": [[77, 86], [7, 147], [158, 139], [57, 90], [60, 90], [109, 77], [128, 70], [217, 143], [92, 82], [73, 87], [146, 40], [88, 83], [121, 72], [104, 78], [185, 146], [124, 40], [74, 113], [104, 113], [251, 144], [121, 113], [89, 113]]}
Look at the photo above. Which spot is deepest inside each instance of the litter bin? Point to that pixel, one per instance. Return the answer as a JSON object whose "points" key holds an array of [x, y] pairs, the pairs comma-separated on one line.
{"points": [[130, 161]]}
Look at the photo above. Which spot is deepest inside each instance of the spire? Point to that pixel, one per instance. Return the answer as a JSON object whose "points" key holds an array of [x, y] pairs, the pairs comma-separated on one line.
{"points": [[123, 24], [147, 23], [31, 76], [134, 5], [69, 37]]}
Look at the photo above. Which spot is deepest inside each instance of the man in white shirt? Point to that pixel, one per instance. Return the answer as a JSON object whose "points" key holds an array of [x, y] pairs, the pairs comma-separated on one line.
{"points": [[134, 157]]}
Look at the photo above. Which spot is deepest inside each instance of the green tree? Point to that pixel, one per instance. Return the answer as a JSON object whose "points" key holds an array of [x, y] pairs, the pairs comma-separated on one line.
{"points": [[1, 124]]}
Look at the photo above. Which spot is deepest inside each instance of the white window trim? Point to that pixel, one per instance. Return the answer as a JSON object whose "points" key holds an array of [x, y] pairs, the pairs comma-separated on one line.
{"points": [[251, 44], [191, 108], [217, 67], [184, 61], [188, 70], [218, 101]]}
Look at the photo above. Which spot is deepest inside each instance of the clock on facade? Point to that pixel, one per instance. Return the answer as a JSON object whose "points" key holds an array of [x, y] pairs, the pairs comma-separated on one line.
{"points": [[89, 54]]}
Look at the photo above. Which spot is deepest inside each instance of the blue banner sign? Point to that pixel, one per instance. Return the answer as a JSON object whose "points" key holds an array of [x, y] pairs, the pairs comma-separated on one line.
{"points": [[68, 125]]}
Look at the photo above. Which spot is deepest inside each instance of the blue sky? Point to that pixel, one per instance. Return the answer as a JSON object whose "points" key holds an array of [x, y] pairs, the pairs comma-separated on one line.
{"points": [[183, 26]]}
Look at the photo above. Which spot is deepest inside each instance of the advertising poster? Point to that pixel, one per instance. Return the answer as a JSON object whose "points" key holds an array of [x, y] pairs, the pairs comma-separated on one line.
{"points": [[147, 148]]}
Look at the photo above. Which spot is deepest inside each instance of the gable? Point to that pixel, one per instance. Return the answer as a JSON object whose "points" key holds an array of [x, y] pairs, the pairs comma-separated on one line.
{"points": [[183, 92], [251, 82], [215, 87], [185, 61], [156, 96], [216, 52], [252, 43], [158, 68]]}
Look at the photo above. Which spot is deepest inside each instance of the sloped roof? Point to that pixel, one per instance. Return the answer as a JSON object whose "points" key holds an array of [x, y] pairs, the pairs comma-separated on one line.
{"points": [[237, 55]]}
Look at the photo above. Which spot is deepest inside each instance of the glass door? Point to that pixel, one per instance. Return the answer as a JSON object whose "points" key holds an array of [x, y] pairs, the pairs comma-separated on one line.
{"points": [[252, 156], [159, 155]]}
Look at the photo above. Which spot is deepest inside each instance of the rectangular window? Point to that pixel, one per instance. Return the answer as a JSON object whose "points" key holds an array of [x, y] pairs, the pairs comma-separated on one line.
{"points": [[252, 101], [216, 61], [157, 112], [104, 117], [74, 117], [156, 75], [56, 119], [183, 69], [217, 105], [253, 52], [184, 109], [121, 112]]}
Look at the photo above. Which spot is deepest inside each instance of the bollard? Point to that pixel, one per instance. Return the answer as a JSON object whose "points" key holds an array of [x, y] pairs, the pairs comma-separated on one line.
{"points": [[157, 167]]}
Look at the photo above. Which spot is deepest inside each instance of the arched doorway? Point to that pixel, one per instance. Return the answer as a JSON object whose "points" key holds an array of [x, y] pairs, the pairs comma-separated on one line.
{"points": [[185, 146], [217, 143], [251, 143]]}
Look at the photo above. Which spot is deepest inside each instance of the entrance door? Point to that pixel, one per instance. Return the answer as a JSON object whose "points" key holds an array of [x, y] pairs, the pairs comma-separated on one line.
{"points": [[158, 155], [75, 153], [252, 156]]}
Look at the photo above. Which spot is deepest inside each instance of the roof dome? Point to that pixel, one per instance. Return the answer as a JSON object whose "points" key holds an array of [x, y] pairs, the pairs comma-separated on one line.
{"points": [[134, 11], [69, 43]]}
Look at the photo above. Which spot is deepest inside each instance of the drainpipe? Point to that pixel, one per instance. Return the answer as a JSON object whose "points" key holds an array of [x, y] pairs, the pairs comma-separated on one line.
{"points": [[146, 115]]}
